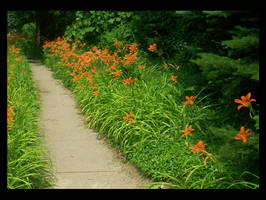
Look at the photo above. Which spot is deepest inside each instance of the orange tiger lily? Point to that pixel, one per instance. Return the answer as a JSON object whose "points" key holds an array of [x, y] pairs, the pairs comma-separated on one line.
{"points": [[190, 100], [198, 147], [128, 116], [153, 47], [96, 93], [173, 78], [187, 131], [118, 73], [127, 81], [80, 87], [245, 101], [243, 134]]}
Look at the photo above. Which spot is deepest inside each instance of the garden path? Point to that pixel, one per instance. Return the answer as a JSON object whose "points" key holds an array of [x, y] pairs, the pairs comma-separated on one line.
{"points": [[80, 159]]}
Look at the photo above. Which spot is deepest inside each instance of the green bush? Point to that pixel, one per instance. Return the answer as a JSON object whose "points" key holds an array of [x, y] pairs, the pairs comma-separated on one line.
{"points": [[236, 73], [29, 30], [27, 43], [92, 26]]}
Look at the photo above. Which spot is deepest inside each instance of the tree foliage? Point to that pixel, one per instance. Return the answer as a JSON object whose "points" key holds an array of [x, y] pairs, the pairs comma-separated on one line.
{"points": [[222, 46], [95, 26]]}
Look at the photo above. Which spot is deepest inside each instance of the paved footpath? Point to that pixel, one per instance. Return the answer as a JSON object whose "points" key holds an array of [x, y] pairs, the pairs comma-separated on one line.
{"points": [[80, 159]]}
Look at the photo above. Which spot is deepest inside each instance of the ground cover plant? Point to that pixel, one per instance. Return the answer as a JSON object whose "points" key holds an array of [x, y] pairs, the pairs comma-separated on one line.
{"points": [[164, 126], [27, 164]]}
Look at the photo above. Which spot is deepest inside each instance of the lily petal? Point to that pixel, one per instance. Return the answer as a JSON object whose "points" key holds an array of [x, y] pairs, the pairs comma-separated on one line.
{"points": [[240, 106], [248, 95]]}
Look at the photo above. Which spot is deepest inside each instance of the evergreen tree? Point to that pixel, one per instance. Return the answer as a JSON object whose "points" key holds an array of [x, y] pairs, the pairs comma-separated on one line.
{"points": [[235, 71]]}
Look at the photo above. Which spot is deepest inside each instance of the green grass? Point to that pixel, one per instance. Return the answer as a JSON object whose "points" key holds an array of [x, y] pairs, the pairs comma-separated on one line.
{"points": [[154, 143], [27, 164]]}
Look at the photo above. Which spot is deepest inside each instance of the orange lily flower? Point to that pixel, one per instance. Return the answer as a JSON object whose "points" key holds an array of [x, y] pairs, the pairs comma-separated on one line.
{"points": [[173, 78], [19, 59], [135, 80], [153, 47], [129, 58], [141, 66], [198, 147], [10, 114], [128, 116], [118, 73], [96, 93], [94, 86], [116, 44], [243, 134], [113, 67], [75, 78], [94, 48], [127, 81], [133, 47], [245, 101], [188, 131], [190, 100], [10, 120], [80, 87], [91, 81]]}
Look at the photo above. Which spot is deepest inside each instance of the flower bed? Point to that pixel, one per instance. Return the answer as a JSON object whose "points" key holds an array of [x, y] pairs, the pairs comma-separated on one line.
{"points": [[149, 115]]}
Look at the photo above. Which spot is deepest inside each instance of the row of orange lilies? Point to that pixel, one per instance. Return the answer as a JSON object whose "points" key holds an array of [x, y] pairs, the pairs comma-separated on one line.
{"points": [[14, 53], [83, 65], [200, 146]]}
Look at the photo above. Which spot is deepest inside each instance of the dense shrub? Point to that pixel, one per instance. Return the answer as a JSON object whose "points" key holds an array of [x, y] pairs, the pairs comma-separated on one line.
{"points": [[235, 74], [101, 27]]}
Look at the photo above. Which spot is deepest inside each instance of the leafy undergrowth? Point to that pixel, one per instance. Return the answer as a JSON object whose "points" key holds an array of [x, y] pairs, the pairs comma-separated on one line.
{"points": [[164, 126], [27, 164]]}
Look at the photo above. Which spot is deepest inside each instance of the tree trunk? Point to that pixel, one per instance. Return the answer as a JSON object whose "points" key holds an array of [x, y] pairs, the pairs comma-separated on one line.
{"points": [[43, 23]]}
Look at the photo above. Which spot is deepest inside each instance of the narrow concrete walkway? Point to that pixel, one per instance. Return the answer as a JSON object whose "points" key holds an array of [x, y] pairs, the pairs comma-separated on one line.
{"points": [[81, 160]]}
